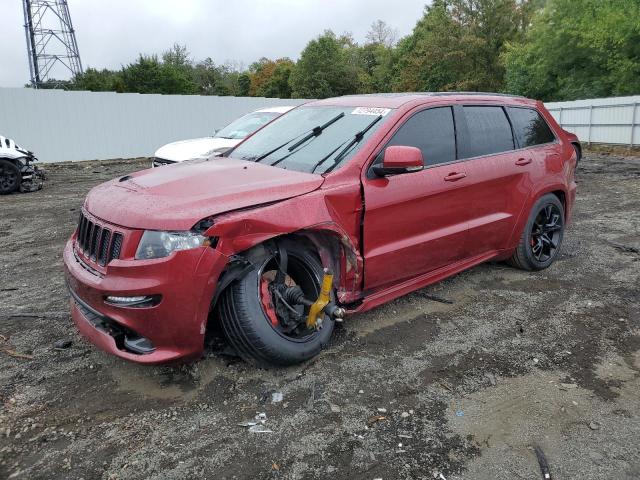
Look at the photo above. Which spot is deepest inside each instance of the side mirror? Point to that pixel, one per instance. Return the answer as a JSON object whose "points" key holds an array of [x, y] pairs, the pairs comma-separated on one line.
{"points": [[399, 159]]}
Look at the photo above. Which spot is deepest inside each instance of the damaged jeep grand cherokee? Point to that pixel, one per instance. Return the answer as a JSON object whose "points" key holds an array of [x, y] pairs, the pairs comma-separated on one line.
{"points": [[336, 207]]}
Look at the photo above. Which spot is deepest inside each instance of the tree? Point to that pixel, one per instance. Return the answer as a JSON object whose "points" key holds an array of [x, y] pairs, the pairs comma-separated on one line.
{"points": [[177, 55], [276, 85], [578, 49], [457, 45], [260, 73], [382, 34], [98, 81], [244, 84], [149, 75], [323, 70]]}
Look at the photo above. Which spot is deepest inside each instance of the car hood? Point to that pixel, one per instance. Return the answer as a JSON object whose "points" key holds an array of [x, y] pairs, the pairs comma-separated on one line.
{"points": [[194, 148], [175, 197]]}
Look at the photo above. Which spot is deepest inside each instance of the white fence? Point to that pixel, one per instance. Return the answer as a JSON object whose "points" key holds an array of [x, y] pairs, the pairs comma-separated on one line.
{"points": [[613, 120], [60, 126]]}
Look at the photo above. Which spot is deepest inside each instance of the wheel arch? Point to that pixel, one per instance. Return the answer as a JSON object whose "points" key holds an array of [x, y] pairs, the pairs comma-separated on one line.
{"points": [[333, 249], [578, 149], [558, 190]]}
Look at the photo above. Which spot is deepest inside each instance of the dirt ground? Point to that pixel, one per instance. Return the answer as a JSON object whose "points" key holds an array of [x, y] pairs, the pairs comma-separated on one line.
{"points": [[416, 389]]}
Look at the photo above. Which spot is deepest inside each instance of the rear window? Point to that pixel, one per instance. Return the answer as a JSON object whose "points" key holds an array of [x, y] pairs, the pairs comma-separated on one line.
{"points": [[529, 127], [489, 131], [431, 131]]}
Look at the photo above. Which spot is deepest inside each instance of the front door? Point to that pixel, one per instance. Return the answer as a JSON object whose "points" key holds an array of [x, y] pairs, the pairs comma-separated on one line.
{"points": [[416, 222]]}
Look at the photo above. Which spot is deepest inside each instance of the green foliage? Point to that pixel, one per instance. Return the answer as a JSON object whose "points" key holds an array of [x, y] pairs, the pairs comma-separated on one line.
{"points": [[547, 49], [274, 80], [98, 81], [578, 49], [324, 69], [457, 45], [149, 75], [244, 84]]}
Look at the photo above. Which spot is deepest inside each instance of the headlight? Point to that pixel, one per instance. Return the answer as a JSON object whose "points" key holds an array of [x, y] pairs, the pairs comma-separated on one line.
{"points": [[160, 244]]}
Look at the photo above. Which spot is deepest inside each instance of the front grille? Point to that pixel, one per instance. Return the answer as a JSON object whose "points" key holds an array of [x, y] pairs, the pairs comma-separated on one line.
{"points": [[98, 243], [116, 245]]}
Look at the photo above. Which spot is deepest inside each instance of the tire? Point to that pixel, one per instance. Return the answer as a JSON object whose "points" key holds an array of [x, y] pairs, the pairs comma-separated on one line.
{"points": [[578, 150], [251, 330], [541, 239], [10, 177]]}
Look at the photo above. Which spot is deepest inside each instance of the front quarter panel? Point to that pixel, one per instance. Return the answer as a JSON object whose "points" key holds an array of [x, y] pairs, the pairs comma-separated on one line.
{"points": [[333, 211]]}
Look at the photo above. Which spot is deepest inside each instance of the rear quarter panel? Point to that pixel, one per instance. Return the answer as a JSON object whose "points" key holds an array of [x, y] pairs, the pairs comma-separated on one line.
{"points": [[554, 173]]}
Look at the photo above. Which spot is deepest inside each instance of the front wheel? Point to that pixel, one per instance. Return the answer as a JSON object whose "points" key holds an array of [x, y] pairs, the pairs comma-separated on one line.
{"points": [[10, 177], [542, 236], [259, 322]]}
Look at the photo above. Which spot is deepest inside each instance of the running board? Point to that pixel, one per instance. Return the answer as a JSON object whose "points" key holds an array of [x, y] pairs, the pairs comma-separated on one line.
{"points": [[379, 297]]}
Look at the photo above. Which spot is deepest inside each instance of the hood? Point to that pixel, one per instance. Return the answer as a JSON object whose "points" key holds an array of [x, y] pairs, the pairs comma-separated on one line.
{"points": [[10, 149], [194, 148], [177, 196]]}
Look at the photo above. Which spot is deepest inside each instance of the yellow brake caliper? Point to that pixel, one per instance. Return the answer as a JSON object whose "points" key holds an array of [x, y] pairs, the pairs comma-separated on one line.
{"points": [[316, 310]]}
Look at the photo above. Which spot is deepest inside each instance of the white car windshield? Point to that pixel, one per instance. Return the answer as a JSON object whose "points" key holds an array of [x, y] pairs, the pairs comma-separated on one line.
{"points": [[245, 126]]}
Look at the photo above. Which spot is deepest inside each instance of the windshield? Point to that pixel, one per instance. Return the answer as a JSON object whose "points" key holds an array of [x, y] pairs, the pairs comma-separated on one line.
{"points": [[245, 126], [290, 142]]}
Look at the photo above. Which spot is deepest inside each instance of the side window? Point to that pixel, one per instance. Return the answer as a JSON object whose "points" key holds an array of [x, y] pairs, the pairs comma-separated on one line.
{"points": [[489, 131], [431, 131], [529, 127]]}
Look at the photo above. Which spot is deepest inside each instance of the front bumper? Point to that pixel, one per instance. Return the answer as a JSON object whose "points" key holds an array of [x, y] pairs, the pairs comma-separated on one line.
{"points": [[175, 327]]}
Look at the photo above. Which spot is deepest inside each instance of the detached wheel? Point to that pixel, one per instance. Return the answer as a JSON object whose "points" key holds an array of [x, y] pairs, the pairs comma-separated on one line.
{"points": [[542, 236], [256, 318], [10, 177]]}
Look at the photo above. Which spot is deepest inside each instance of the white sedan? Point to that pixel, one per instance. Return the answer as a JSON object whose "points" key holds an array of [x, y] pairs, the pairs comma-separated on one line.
{"points": [[221, 141]]}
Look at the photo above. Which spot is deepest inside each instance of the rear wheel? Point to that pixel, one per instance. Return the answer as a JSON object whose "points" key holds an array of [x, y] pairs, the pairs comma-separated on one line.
{"points": [[260, 321], [10, 177], [542, 236]]}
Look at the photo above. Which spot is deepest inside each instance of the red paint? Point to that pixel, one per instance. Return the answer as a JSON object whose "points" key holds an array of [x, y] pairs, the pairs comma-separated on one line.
{"points": [[384, 237]]}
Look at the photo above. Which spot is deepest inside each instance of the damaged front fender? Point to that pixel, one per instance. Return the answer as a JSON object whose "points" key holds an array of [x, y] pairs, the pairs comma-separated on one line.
{"points": [[328, 219]]}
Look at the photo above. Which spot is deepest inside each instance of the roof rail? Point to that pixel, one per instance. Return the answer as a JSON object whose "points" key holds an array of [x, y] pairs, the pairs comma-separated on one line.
{"points": [[489, 94], [431, 94]]}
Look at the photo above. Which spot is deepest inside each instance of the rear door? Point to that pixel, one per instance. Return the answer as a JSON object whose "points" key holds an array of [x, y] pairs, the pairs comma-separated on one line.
{"points": [[417, 222], [498, 175]]}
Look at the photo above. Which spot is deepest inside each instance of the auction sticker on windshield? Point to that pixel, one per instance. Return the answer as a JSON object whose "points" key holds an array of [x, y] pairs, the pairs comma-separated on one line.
{"points": [[371, 111]]}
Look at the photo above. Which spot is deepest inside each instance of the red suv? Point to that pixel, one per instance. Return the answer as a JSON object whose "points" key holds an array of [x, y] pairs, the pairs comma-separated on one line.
{"points": [[336, 207]]}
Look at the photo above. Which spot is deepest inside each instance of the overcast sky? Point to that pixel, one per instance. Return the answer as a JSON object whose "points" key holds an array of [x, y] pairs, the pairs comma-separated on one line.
{"points": [[111, 33]]}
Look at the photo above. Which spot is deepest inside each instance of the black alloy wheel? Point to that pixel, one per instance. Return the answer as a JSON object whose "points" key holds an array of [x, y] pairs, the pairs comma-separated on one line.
{"points": [[546, 233], [542, 235]]}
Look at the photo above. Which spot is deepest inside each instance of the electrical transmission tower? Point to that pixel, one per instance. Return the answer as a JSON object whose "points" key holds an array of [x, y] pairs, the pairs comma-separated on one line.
{"points": [[51, 41]]}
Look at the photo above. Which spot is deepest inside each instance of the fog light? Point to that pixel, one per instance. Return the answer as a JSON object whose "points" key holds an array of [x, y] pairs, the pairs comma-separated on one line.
{"points": [[136, 301]]}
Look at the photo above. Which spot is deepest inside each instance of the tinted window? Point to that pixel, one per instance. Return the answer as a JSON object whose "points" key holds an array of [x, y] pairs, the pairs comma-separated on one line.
{"points": [[432, 132], [489, 131], [529, 127]]}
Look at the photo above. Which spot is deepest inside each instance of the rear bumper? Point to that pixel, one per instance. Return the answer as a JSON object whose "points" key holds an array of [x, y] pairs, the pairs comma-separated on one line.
{"points": [[175, 327]]}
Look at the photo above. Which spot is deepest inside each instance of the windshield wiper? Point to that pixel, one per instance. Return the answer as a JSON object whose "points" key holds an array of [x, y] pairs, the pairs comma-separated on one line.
{"points": [[357, 138], [327, 156], [314, 133]]}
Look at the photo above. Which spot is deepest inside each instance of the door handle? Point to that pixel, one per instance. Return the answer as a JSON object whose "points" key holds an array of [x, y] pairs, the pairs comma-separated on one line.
{"points": [[452, 177], [523, 161]]}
